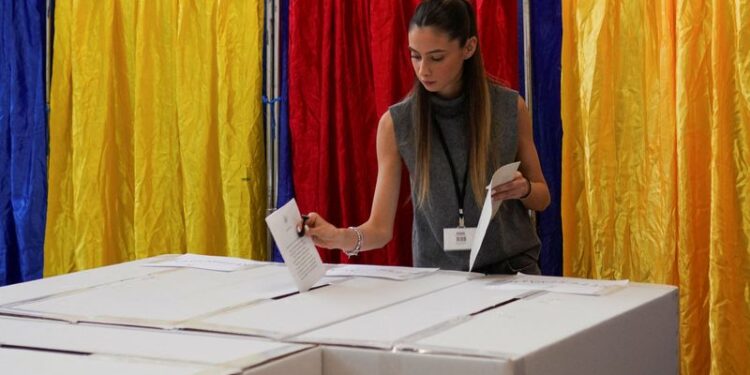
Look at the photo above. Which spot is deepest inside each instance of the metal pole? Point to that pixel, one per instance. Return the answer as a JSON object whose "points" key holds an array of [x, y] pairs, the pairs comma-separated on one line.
{"points": [[268, 110], [276, 94], [47, 50], [527, 61], [528, 72]]}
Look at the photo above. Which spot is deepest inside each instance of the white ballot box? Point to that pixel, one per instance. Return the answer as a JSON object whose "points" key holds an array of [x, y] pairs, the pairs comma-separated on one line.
{"points": [[162, 299], [302, 312], [360, 361], [204, 351], [632, 330], [78, 280], [385, 327], [19, 361], [195, 314]]}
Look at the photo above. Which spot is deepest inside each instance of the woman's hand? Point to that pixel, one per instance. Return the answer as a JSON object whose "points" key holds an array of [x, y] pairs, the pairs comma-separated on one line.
{"points": [[323, 233], [516, 188]]}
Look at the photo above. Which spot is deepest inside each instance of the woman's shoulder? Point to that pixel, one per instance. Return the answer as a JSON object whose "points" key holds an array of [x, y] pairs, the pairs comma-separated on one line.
{"points": [[401, 111], [498, 90], [504, 99], [404, 104]]}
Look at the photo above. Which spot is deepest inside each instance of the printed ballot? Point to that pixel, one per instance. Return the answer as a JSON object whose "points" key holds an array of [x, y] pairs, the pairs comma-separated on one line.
{"points": [[489, 209], [299, 252], [205, 262], [569, 285]]}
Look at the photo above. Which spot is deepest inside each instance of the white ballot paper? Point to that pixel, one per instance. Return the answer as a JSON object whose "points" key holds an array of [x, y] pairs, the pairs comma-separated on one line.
{"points": [[299, 253], [489, 209], [383, 272], [556, 284], [206, 262]]}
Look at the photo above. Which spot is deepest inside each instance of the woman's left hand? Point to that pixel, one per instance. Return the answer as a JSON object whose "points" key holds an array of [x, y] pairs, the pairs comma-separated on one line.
{"points": [[513, 189]]}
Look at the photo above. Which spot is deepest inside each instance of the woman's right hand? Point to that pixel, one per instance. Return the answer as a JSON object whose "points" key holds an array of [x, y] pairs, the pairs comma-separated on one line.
{"points": [[323, 233]]}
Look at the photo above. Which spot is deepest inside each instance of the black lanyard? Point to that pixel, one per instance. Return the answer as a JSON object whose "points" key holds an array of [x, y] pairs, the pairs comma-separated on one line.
{"points": [[460, 190]]}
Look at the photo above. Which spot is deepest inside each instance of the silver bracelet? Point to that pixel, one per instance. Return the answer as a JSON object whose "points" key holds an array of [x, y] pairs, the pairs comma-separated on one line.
{"points": [[358, 245]]}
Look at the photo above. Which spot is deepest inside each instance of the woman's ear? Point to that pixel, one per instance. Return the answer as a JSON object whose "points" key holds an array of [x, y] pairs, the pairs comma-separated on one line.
{"points": [[470, 47]]}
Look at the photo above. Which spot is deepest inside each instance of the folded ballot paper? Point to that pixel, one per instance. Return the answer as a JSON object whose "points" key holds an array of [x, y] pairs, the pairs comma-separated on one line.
{"points": [[379, 272], [489, 209], [568, 285], [205, 262], [299, 252]]}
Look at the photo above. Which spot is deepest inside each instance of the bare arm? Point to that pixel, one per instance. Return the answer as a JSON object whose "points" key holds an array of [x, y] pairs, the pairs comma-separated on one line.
{"points": [[378, 229], [538, 198]]}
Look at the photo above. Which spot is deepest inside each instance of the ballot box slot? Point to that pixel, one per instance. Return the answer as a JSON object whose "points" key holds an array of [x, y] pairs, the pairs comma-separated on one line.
{"points": [[495, 306], [295, 293]]}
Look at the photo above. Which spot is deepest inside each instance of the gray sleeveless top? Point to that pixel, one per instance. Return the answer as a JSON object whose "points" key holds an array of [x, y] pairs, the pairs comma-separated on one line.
{"points": [[511, 243]]}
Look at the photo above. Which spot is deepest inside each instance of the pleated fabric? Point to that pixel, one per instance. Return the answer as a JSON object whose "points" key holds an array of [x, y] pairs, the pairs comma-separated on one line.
{"points": [[349, 61], [546, 46], [23, 140], [156, 135], [656, 117], [285, 179]]}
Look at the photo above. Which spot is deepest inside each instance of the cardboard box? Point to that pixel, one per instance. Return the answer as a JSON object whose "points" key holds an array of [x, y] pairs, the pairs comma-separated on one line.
{"points": [[233, 354], [299, 313], [23, 361], [631, 331], [37, 289], [164, 299], [446, 322], [306, 362], [358, 361], [383, 328]]}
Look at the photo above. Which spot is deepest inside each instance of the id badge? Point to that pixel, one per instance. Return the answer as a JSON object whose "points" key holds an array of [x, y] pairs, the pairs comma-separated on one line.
{"points": [[456, 239]]}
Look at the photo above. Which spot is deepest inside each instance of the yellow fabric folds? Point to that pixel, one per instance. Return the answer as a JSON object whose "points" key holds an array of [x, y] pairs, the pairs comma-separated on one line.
{"points": [[156, 134], [656, 156]]}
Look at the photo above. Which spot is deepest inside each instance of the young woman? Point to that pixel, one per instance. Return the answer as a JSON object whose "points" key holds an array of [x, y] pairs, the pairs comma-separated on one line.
{"points": [[452, 132]]}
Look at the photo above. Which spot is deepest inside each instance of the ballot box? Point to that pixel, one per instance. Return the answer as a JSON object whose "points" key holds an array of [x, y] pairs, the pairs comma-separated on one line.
{"points": [[339, 360], [385, 327], [479, 328], [632, 330], [56, 285], [184, 352], [302, 312], [251, 319], [17, 361], [149, 296]]}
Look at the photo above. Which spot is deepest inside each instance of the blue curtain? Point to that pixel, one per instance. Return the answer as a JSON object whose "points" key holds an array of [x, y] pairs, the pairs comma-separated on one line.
{"points": [[546, 41], [546, 44], [23, 140], [286, 185]]}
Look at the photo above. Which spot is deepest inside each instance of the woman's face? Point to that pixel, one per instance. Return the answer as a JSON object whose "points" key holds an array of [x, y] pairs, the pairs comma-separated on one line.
{"points": [[437, 60]]}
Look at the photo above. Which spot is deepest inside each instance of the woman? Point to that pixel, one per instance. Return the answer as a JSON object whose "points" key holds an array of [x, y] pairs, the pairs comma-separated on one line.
{"points": [[452, 131]]}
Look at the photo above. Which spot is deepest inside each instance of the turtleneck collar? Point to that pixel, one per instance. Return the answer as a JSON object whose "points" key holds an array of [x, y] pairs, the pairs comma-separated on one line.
{"points": [[448, 107]]}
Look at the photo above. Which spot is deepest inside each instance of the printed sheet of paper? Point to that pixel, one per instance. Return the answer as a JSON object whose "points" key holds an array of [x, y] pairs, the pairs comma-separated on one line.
{"points": [[489, 209], [299, 253], [205, 262], [383, 272], [554, 284]]}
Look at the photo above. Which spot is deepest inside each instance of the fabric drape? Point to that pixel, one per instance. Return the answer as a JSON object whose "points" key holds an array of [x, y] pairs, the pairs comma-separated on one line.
{"points": [[23, 140], [546, 45], [285, 179], [349, 61], [656, 115], [156, 138]]}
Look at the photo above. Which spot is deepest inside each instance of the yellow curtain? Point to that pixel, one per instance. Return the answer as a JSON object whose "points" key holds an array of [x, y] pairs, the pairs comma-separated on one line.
{"points": [[156, 134], [656, 160]]}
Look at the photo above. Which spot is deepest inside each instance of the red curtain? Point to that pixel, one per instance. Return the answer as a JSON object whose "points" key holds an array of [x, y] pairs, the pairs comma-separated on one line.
{"points": [[349, 61]]}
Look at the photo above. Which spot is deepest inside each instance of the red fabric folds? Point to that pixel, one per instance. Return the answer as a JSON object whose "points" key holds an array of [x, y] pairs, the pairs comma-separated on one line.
{"points": [[348, 61]]}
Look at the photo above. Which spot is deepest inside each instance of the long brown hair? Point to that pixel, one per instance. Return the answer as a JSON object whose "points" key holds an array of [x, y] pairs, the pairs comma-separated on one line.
{"points": [[456, 18]]}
